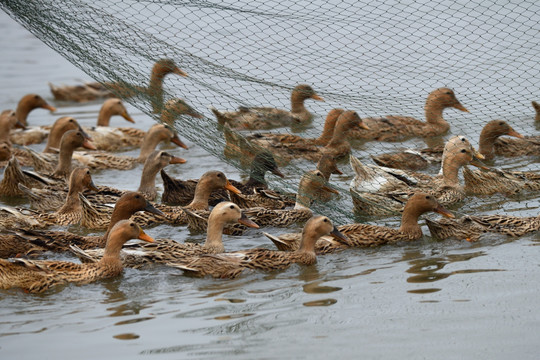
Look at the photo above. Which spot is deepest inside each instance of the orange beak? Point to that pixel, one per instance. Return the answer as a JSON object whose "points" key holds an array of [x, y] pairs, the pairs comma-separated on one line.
{"points": [[317, 97], [329, 189], [88, 145], [230, 187], [49, 107], [176, 140], [143, 236], [177, 160], [363, 126], [441, 210], [244, 220], [460, 107], [177, 71], [126, 116], [514, 133]]}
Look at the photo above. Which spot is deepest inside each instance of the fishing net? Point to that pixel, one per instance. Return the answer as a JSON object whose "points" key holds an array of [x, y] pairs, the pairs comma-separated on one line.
{"points": [[373, 57]]}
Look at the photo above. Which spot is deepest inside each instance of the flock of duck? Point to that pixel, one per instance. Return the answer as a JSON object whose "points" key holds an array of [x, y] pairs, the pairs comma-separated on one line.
{"points": [[60, 189]]}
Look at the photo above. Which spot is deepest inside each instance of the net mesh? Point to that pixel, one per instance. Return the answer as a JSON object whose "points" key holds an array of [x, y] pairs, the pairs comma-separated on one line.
{"points": [[373, 57]]}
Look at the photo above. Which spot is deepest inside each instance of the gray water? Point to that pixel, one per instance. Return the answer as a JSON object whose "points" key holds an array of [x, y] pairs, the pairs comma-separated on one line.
{"points": [[427, 299]]}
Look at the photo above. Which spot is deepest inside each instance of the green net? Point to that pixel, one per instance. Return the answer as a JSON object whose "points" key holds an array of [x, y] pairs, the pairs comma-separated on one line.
{"points": [[373, 57]]}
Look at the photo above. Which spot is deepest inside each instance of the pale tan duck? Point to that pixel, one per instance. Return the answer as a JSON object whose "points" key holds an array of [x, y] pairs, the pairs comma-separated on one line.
{"points": [[166, 250], [93, 91], [267, 117], [37, 276], [366, 235], [376, 192], [285, 152], [396, 128], [28, 242], [311, 183], [96, 217], [490, 144], [230, 265], [471, 228], [71, 210], [181, 192], [103, 160]]}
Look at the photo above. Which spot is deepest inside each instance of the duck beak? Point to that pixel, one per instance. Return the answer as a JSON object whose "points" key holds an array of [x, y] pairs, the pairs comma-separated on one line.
{"points": [[460, 107], [151, 209], [514, 133], [479, 164], [244, 220], [143, 236], [126, 116], [196, 115], [441, 210], [19, 125], [49, 107], [177, 160], [478, 155], [339, 236], [317, 97], [276, 171], [92, 186], [88, 145], [176, 140], [337, 172], [177, 71], [230, 187], [363, 126], [329, 189]]}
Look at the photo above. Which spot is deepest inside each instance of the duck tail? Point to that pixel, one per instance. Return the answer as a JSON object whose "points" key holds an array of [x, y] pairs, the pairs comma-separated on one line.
{"points": [[221, 117]]}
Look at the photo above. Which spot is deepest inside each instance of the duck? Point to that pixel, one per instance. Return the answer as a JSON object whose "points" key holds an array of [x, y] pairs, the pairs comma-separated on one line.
{"points": [[89, 91], [12, 219], [310, 184], [490, 144], [367, 235], [70, 211], [374, 191], [472, 227], [15, 175], [105, 160], [231, 265], [398, 128], [58, 129], [60, 167], [489, 181], [34, 242], [260, 118], [338, 145], [166, 250], [8, 122], [28, 103], [96, 216], [327, 166], [35, 276], [181, 192]]}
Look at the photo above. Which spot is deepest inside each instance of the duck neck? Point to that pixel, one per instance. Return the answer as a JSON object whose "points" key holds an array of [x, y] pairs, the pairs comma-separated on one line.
{"points": [[72, 202], [111, 255], [64, 161], [256, 177], [339, 137], [434, 114], [486, 144], [409, 223], [450, 171], [148, 181], [148, 145], [22, 111], [214, 237], [297, 103], [327, 133], [200, 199], [303, 201], [119, 213], [155, 88], [307, 248], [104, 117]]}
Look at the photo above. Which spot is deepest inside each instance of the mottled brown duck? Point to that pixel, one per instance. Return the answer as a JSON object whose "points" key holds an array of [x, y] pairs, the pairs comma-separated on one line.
{"points": [[36, 276], [254, 118], [398, 128], [28, 103], [366, 235]]}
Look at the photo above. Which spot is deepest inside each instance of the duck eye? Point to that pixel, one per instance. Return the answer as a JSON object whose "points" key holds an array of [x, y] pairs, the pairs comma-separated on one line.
{"points": [[71, 120], [137, 196], [132, 224], [218, 175], [232, 206], [463, 151], [88, 172], [36, 97], [428, 197], [325, 220], [501, 123], [448, 93]]}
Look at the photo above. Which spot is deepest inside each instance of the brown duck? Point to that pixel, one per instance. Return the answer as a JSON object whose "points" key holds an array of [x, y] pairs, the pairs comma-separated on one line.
{"points": [[37, 276], [268, 118]]}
